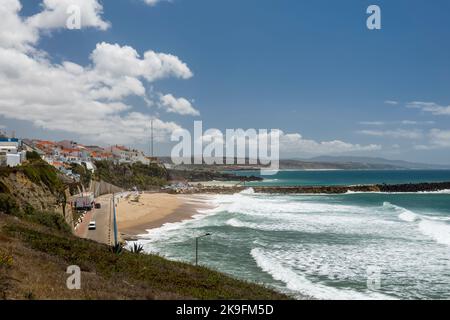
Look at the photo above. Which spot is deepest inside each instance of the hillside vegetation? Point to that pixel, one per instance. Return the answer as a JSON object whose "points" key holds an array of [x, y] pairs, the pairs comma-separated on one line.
{"points": [[127, 176], [37, 246], [34, 184], [35, 258]]}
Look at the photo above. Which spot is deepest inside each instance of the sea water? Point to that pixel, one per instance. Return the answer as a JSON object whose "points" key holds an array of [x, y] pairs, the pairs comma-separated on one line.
{"points": [[324, 246]]}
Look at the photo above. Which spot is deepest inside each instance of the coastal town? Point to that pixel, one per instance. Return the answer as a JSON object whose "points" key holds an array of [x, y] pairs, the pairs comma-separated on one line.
{"points": [[61, 154]]}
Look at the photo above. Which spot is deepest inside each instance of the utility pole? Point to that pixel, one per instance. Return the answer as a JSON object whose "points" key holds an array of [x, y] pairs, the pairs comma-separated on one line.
{"points": [[196, 246], [151, 137]]}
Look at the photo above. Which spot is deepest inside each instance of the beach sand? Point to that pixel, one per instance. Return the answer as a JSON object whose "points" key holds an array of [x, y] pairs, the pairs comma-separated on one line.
{"points": [[140, 212]]}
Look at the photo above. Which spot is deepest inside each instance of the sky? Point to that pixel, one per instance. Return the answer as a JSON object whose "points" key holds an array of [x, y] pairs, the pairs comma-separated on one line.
{"points": [[311, 69]]}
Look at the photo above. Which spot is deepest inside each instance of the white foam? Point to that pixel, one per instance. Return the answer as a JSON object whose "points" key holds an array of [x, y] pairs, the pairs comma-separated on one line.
{"points": [[298, 283], [439, 231], [173, 231], [408, 216], [248, 191], [403, 213], [444, 191]]}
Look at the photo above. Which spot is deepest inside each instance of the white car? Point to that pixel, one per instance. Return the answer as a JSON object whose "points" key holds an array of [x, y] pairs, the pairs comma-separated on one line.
{"points": [[92, 225]]}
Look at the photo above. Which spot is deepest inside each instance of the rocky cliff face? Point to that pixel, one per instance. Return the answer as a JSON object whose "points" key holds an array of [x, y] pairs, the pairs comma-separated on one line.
{"points": [[27, 192], [37, 186]]}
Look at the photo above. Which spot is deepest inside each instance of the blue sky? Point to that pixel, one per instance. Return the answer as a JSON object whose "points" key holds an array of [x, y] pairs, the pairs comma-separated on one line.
{"points": [[306, 67]]}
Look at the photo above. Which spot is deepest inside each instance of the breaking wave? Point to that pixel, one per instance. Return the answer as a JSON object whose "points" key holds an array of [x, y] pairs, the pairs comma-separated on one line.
{"points": [[299, 283]]}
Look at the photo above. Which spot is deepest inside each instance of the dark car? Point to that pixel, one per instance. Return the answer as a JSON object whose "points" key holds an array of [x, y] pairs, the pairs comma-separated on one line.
{"points": [[98, 206]]}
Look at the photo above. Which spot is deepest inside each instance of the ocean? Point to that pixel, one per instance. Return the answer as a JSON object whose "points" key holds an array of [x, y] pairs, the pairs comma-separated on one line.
{"points": [[349, 246]]}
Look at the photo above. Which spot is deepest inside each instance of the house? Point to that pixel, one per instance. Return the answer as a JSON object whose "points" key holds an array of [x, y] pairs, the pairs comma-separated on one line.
{"points": [[11, 153], [46, 147], [99, 156], [29, 146], [124, 155], [67, 144]]}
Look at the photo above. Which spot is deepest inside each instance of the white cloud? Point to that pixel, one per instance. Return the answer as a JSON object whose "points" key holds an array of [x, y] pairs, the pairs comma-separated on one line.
{"points": [[14, 32], [398, 133], [431, 107], [412, 122], [440, 138], [117, 60], [295, 143], [178, 105], [402, 122], [153, 2], [391, 102], [372, 123], [84, 100], [55, 14]]}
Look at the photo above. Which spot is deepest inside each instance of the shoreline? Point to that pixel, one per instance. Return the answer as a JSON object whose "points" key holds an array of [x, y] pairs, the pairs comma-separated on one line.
{"points": [[140, 212], [153, 210]]}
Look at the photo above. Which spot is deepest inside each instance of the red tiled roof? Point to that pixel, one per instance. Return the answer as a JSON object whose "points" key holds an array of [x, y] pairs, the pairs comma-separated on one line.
{"points": [[45, 142]]}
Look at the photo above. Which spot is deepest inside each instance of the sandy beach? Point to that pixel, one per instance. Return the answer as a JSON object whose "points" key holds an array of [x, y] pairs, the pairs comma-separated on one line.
{"points": [[137, 213]]}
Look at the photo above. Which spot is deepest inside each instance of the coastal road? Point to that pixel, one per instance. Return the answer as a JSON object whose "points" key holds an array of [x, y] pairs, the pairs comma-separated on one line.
{"points": [[103, 221]]}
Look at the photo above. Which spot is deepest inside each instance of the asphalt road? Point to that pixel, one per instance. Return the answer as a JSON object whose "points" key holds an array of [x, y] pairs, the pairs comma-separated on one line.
{"points": [[103, 220]]}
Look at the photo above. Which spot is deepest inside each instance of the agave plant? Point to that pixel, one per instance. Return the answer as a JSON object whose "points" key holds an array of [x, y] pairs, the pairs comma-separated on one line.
{"points": [[117, 248], [137, 248]]}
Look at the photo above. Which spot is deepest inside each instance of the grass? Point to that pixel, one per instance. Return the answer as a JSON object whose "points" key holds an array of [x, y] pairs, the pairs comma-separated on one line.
{"points": [[42, 250]]}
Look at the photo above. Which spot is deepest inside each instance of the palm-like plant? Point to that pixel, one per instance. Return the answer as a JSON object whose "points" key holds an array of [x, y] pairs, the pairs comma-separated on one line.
{"points": [[137, 248], [117, 248]]}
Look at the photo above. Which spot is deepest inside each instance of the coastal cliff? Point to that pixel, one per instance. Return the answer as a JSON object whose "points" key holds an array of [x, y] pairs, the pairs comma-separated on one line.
{"points": [[35, 186]]}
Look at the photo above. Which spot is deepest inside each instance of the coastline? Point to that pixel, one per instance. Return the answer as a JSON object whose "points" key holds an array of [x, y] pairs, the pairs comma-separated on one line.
{"points": [[142, 212]]}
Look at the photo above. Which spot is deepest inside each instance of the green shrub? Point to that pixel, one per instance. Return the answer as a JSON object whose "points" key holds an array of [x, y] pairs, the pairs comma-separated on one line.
{"points": [[3, 188], [126, 175], [41, 172], [85, 174], [8, 204], [52, 220], [33, 155]]}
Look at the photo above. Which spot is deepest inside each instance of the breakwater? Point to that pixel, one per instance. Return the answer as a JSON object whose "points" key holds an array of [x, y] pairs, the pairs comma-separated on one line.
{"points": [[409, 187]]}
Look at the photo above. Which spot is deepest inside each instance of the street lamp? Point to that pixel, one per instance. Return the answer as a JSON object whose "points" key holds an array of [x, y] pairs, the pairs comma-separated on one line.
{"points": [[114, 219], [196, 246]]}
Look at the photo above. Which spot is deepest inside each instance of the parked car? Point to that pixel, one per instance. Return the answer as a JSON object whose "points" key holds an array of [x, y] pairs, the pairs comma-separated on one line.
{"points": [[92, 225], [98, 205]]}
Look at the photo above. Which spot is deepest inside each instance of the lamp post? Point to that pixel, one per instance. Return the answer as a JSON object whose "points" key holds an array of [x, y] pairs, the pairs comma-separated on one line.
{"points": [[114, 219], [196, 246]]}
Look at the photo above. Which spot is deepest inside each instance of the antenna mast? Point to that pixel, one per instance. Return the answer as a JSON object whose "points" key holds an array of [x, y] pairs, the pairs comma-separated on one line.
{"points": [[151, 137]]}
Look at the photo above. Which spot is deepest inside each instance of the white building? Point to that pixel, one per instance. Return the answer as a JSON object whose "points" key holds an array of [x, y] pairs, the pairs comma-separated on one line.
{"points": [[9, 152], [125, 155], [12, 160]]}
